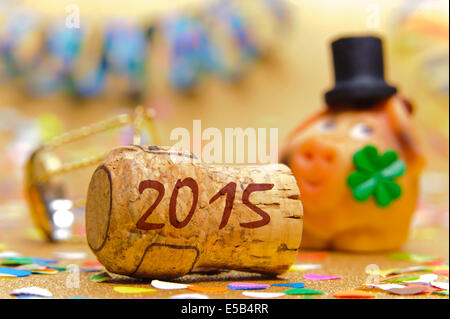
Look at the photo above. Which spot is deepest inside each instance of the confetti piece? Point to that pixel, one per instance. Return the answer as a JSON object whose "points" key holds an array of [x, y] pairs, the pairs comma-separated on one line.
{"points": [[313, 256], [441, 285], [303, 267], [70, 255], [402, 279], [290, 284], [44, 261], [2, 247], [384, 286], [59, 268], [424, 279], [303, 291], [441, 272], [14, 272], [400, 256], [167, 285], [17, 261], [31, 291], [418, 258], [101, 277], [263, 295], [354, 294], [320, 277], [247, 286], [92, 263], [437, 262], [133, 290], [9, 254], [44, 271], [207, 289], [415, 290], [443, 293], [189, 296]]}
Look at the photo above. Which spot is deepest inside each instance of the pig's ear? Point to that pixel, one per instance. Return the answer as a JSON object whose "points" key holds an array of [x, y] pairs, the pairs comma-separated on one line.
{"points": [[399, 114], [285, 152]]}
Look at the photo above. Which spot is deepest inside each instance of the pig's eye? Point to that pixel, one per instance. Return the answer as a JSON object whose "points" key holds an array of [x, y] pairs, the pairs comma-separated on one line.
{"points": [[360, 131], [326, 126]]}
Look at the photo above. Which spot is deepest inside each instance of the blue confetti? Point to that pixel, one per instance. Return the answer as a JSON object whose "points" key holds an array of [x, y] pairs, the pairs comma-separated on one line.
{"points": [[292, 284], [15, 272], [43, 261]]}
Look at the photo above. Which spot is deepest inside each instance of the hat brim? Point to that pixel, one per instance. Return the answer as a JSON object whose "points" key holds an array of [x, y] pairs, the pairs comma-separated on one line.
{"points": [[358, 95]]}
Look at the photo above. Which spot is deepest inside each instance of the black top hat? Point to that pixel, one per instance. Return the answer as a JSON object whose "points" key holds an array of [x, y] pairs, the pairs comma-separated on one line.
{"points": [[359, 74]]}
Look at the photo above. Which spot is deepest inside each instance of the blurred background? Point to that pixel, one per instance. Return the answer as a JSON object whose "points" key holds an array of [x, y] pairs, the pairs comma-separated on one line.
{"points": [[260, 63]]}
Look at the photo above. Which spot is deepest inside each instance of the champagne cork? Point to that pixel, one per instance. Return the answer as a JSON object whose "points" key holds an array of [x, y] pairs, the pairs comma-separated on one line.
{"points": [[152, 212]]}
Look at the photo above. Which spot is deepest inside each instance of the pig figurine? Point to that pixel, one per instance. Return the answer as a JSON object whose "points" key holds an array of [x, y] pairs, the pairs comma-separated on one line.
{"points": [[358, 162]]}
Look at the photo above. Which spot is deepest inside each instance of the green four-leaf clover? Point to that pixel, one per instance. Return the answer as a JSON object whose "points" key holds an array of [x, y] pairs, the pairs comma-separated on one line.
{"points": [[374, 175]]}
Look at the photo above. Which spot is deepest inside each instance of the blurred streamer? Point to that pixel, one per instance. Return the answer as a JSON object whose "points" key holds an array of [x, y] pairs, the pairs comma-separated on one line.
{"points": [[215, 39]]}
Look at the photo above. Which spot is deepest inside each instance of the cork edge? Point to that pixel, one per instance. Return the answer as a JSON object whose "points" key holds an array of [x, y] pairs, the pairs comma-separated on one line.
{"points": [[108, 173]]}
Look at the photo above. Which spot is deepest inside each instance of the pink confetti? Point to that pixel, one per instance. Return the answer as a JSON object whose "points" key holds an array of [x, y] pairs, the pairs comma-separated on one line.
{"points": [[320, 277]]}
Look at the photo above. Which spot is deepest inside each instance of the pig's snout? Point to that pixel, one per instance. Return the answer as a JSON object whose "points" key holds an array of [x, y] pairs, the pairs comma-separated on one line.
{"points": [[313, 154], [320, 165]]}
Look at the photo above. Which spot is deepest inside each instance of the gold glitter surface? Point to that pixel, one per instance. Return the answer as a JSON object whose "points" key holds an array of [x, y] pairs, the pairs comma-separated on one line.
{"points": [[351, 267]]}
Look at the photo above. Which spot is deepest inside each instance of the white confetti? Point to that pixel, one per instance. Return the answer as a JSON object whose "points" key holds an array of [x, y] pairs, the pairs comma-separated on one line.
{"points": [[9, 254], [263, 295], [70, 255], [384, 286], [31, 291], [424, 279], [189, 296], [167, 285], [439, 284]]}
